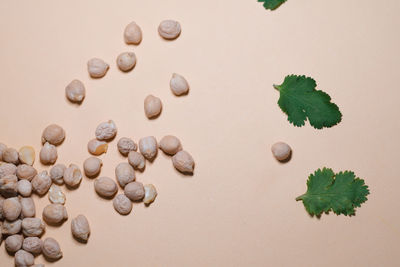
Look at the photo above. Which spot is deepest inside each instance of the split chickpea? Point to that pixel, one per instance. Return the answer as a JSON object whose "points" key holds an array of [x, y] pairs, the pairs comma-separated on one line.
{"points": [[26, 155], [96, 147], [150, 194]]}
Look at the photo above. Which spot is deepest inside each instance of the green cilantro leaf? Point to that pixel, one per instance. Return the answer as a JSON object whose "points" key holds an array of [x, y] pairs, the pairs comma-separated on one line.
{"points": [[272, 4], [299, 100], [341, 193]]}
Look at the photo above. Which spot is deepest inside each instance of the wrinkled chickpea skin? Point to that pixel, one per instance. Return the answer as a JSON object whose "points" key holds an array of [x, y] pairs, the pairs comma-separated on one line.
{"points": [[25, 171], [32, 245], [126, 145], [41, 183], [28, 208], [33, 227], [106, 131], [122, 204], [80, 228], [23, 258], [134, 191]]}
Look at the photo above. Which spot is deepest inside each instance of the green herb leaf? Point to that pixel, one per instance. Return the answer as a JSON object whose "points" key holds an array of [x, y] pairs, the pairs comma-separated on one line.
{"points": [[341, 193], [272, 4], [299, 100]]}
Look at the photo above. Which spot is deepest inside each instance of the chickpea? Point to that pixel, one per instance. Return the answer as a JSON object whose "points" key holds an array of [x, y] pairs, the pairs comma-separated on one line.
{"points": [[11, 208], [25, 171], [32, 245], [26, 155], [53, 134], [24, 188], [106, 130], [96, 147], [132, 34], [169, 29], [281, 151], [92, 166], [23, 258], [48, 154], [41, 183], [122, 204], [72, 176], [148, 147], [28, 209], [13, 243], [11, 228], [56, 195], [75, 91], [57, 173], [105, 187], [152, 106], [33, 227], [126, 61], [126, 145], [7, 168], [125, 174], [54, 214], [136, 160], [183, 162], [10, 155], [80, 228], [51, 249], [178, 84], [134, 191], [150, 194], [97, 68], [9, 185], [170, 144]]}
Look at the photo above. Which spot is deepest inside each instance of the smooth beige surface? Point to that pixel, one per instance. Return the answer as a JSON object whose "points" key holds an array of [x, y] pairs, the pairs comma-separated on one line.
{"points": [[239, 208]]}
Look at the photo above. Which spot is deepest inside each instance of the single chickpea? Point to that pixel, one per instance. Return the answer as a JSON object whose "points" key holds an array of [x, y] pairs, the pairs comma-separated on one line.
{"points": [[126, 145], [178, 84], [75, 91], [48, 154], [97, 68], [170, 145], [41, 183], [26, 155], [92, 166], [57, 173], [124, 173], [152, 106], [134, 191], [96, 147], [133, 34], [106, 130], [183, 162], [122, 204], [126, 61], [51, 249], [10, 155], [25, 171], [281, 151], [136, 160], [33, 227], [80, 228], [53, 134], [105, 187], [169, 29], [148, 147], [54, 214], [72, 175]]}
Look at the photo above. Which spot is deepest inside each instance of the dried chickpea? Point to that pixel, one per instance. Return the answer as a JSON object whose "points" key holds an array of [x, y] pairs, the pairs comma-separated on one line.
{"points": [[124, 173], [11, 208], [170, 144], [126, 145], [54, 214], [152, 106], [178, 84], [25, 171], [169, 29], [126, 61], [51, 249], [72, 176], [96, 147], [57, 173], [80, 228], [183, 162], [23, 258], [92, 166], [132, 34], [28, 209], [10, 155], [150, 194], [11, 228], [33, 227], [105, 187], [9, 185], [32, 245], [48, 154], [41, 183], [13, 243], [26, 155], [281, 151], [122, 204], [106, 130], [56, 195], [97, 68], [53, 134], [75, 91], [136, 160], [7, 168], [24, 188], [148, 147], [134, 191]]}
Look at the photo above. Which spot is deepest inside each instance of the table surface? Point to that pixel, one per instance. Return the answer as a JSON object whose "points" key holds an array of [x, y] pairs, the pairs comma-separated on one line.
{"points": [[239, 207]]}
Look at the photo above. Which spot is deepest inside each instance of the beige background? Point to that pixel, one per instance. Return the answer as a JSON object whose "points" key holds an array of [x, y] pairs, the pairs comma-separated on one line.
{"points": [[239, 208]]}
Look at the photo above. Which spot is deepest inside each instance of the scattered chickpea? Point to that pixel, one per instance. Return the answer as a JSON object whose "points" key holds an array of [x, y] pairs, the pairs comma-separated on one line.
{"points": [[178, 84], [2, 148], [106, 130], [75, 91], [183, 162], [48, 154], [80, 228], [281, 151], [23, 258], [11, 208], [124, 173], [126, 61], [105, 187], [96, 147], [26, 155], [136, 160], [33, 227], [72, 176], [122, 204], [97, 68], [10, 155], [11, 228], [53, 134], [54, 214], [57, 173], [150, 194], [133, 34], [13, 243], [32, 245], [92, 166], [169, 29], [9, 185], [51, 249], [56, 195], [170, 144], [41, 183], [152, 106], [25, 171], [24, 188], [7, 168], [134, 191], [28, 209], [148, 147], [126, 145]]}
